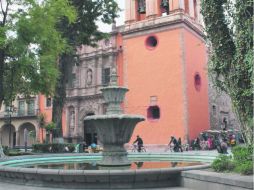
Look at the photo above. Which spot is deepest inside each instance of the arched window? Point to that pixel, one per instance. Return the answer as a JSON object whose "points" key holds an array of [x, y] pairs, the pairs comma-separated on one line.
{"points": [[165, 6], [153, 113], [142, 6]]}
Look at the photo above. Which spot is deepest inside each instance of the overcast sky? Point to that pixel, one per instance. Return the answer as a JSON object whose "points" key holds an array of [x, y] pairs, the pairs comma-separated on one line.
{"points": [[119, 21]]}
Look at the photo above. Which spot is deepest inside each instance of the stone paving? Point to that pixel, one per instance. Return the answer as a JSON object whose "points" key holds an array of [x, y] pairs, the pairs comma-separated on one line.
{"points": [[5, 186]]}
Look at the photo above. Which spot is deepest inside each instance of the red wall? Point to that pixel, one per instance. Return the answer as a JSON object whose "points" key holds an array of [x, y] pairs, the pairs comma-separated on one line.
{"points": [[47, 111], [158, 73], [196, 62]]}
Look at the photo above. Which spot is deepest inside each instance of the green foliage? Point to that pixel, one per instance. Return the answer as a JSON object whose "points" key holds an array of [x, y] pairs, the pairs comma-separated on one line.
{"points": [[243, 153], [223, 163], [50, 127], [14, 152], [53, 148], [245, 168], [41, 120], [243, 159], [6, 150], [241, 162], [228, 25], [84, 31], [30, 44]]}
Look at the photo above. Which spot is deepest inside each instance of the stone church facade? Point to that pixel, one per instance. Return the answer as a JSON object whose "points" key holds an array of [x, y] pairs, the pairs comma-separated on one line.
{"points": [[83, 93]]}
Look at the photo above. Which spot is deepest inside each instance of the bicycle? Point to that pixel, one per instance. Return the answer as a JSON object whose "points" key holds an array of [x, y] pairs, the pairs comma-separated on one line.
{"points": [[170, 147], [135, 148]]}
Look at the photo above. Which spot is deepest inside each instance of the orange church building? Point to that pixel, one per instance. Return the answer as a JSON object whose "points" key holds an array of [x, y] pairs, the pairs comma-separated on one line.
{"points": [[165, 67]]}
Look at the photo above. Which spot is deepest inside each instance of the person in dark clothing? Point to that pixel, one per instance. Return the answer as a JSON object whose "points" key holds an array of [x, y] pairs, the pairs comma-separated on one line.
{"points": [[174, 141], [197, 144], [139, 141], [180, 144]]}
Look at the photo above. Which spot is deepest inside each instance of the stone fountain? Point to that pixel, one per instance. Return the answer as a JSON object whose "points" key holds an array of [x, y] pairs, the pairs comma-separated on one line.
{"points": [[115, 128]]}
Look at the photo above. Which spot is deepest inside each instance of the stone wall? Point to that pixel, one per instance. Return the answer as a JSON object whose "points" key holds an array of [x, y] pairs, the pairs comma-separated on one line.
{"points": [[221, 111]]}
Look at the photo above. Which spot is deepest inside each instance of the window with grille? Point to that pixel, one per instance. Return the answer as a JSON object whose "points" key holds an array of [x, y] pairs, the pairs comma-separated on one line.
{"points": [[48, 102], [105, 76], [30, 107], [21, 108], [153, 112]]}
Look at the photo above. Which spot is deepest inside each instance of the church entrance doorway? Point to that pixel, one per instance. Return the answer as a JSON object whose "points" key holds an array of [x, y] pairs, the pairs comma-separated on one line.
{"points": [[90, 134]]}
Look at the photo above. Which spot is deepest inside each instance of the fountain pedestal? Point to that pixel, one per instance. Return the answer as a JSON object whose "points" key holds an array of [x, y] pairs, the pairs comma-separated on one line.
{"points": [[115, 128]]}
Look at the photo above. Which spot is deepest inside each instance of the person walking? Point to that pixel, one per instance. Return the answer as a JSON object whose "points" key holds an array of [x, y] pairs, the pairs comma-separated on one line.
{"points": [[180, 144], [139, 141], [209, 143]]}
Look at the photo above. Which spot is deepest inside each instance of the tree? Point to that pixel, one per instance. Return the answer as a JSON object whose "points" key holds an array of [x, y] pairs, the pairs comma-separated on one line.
{"points": [[30, 45], [229, 29], [82, 32]]}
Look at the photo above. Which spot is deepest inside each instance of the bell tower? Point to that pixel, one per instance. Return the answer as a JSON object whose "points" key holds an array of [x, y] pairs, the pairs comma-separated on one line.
{"points": [[165, 68], [137, 10]]}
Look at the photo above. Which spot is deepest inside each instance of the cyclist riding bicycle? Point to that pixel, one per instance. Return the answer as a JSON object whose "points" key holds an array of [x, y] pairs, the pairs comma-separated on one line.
{"points": [[139, 141]]}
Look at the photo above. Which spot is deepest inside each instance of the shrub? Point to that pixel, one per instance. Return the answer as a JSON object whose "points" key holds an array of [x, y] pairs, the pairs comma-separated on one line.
{"points": [[241, 162], [18, 153], [71, 147], [243, 159], [53, 148], [246, 168], [6, 150], [242, 153], [223, 163]]}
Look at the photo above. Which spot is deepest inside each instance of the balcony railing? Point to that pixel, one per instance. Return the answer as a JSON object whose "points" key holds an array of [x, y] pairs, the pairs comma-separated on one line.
{"points": [[20, 113]]}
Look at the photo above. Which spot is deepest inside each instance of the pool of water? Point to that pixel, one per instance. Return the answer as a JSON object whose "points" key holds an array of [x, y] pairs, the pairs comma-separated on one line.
{"points": [[92, 165]]}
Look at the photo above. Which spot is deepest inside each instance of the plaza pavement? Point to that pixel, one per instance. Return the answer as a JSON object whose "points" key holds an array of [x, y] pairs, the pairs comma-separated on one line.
{"points": [[6, 186]]}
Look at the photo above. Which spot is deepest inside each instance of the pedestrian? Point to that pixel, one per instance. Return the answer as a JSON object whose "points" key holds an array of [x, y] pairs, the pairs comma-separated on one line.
{"points": [[197, 144], [139, 141], [180, 144], [224, 146], [209, 143]]}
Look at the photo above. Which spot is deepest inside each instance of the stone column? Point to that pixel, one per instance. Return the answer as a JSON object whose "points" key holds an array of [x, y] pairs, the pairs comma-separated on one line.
{"points": [[99, 71], [17, 138], [1, 136], [151, 8], [199, 15], [130, 11], [191, 8], [181, 4], [76, 131], [37, 133]]}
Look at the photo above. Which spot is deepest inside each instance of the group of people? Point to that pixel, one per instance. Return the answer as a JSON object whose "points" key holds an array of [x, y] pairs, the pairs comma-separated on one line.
{"points": [[210, 143], [175, 144]]}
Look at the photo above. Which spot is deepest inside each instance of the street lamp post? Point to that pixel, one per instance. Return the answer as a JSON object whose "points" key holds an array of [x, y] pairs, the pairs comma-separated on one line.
{"points": [[8, 118]]}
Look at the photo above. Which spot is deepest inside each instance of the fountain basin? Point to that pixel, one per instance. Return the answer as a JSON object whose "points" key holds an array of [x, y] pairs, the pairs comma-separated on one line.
{"points": [[100, 179]]}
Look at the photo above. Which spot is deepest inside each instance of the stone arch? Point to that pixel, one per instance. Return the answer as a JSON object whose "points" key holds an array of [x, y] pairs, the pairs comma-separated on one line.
{"points": [[8, 135], [30, 136], [88, 132]]}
